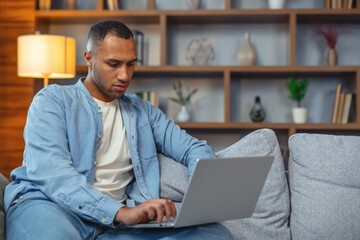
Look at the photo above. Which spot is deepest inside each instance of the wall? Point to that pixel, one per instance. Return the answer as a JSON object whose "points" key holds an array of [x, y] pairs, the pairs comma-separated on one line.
{"points": [[16, 18]]}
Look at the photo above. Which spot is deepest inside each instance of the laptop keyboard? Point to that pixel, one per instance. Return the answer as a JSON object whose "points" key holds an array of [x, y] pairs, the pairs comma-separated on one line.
{"points": [[172, 220]]}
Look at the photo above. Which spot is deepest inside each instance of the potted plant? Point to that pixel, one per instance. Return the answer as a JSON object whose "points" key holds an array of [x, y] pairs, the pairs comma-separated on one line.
{"points": [[183, 100], [297, 90], [331, 35]]}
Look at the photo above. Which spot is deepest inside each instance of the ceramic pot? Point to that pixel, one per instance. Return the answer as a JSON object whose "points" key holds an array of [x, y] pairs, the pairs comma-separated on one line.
{"points": [[332, 57], [183, 115], [257, 112], [247, 55], [300, 115], [276, 4], [193, 4]]}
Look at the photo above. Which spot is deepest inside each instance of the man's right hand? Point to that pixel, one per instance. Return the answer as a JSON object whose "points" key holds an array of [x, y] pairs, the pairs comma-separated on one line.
{"points": [[150, 210]]}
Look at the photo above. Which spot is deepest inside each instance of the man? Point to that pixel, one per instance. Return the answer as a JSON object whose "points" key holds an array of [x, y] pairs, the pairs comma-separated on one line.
{"points": [[90, 162]]}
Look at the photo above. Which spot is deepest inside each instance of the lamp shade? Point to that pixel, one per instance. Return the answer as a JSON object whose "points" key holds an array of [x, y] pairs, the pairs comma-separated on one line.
{"points": [[46, 56]]}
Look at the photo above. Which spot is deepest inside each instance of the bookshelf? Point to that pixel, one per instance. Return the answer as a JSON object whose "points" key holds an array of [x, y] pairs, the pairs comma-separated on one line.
{"points": [[228, 89]]}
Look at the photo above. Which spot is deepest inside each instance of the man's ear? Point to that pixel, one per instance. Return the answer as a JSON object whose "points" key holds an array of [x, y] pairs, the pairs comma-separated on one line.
{"points": [[88, 58]]}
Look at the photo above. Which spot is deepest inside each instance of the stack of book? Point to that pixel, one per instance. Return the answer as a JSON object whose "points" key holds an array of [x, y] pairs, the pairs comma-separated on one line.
{"points": [[152, 97], [340, 4], [342, 106], [113, 5]]}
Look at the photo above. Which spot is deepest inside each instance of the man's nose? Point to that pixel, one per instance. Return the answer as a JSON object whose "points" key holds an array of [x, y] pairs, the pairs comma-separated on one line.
{"points": [[123, 73]]}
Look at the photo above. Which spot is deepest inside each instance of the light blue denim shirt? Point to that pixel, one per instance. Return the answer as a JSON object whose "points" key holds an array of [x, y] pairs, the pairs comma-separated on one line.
{"points": [[62, 134]]}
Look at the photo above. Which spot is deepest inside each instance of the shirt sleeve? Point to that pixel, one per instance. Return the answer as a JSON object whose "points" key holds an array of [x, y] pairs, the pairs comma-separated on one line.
{"points": [[49, 165], [174, 142]]}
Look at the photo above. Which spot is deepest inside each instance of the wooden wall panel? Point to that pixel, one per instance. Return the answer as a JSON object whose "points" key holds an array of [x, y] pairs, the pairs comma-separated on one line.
{"points": [[16, 18]]}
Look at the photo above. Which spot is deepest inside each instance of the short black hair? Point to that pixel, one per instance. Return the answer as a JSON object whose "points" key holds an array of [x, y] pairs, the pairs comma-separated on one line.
{"points": [[100, 30]]}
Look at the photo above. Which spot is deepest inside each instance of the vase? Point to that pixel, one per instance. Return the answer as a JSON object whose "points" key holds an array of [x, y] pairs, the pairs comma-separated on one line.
{"points": [[71, 4], [332, 57], [193, 4], [183, 115], [300, 115], [247, 55], [276, 4], [257, 113], [151, 5]]}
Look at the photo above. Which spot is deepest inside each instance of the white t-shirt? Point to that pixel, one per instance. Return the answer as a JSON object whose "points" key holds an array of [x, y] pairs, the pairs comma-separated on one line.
{"points": [[114, 170]]}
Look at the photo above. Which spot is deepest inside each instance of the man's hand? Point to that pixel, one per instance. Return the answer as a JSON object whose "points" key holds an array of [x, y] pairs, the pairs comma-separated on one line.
{"points": [[150, 210]]}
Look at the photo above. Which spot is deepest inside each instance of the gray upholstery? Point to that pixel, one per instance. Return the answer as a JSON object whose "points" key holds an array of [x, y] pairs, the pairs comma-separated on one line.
{"points": [[270, 217], [3, 183], [324, 177]]}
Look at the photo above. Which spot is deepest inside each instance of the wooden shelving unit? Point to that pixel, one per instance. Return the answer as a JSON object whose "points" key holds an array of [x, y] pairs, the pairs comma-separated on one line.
{"points": [[167, 18]]}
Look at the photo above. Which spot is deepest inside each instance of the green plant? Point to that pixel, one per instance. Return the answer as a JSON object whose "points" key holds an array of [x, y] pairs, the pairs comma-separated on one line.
{"points": [[297, 89], [181, 99]]}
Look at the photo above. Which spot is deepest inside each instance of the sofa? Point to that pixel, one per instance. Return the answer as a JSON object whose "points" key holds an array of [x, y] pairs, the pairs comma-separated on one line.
{"points": [[318, 199], [322, 188]]}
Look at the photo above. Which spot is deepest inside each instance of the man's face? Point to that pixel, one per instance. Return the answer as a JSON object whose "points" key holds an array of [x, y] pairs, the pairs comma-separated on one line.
{"points": [[110, 68]]}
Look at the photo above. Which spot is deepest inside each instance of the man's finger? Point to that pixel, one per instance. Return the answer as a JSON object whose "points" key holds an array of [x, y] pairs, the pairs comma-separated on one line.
{"points": [[159, 212], [168, 209], [151, 213], [173, 210]]}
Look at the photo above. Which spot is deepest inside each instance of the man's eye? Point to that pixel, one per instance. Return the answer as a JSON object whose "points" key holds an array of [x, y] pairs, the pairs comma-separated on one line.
{"points": [[131, 64], [112, 64]]}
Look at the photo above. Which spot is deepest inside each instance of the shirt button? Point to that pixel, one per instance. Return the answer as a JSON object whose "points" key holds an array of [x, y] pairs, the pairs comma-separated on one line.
{"points": [[21, 197], [95, 163], [103, 220], [99, 111], [99, 136]]}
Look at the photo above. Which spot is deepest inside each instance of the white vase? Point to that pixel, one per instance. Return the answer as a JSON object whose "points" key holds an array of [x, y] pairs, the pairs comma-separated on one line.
{"points": [[276, 4], [300, 115], [183, 115], [247, 55], [193, 4]]}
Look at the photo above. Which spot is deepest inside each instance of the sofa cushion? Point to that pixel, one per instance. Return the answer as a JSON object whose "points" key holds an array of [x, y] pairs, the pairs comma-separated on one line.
{"points": [[3, 183], [324, 178], [271, 214]]}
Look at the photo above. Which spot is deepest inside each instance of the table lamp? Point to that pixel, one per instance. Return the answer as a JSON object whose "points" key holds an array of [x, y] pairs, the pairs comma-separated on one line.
{"points": [[46, 56]]}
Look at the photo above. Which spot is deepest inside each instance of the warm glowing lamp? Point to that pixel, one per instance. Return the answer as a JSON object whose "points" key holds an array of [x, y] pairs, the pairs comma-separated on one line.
{"points": [[46, 56]]}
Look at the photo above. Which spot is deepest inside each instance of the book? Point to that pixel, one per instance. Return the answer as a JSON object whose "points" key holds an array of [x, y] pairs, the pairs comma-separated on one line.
{"points": [[346, 108], [327, 4], [336, 103], [333, 4], [345, 3], [341, 107], [111, 4], [116, 5], [350, 4], [41, 4], [152, 97], [338, 4], [44, 4]]}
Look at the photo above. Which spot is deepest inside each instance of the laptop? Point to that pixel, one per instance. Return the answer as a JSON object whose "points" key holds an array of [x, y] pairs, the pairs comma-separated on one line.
{"points": [[220, 189]]}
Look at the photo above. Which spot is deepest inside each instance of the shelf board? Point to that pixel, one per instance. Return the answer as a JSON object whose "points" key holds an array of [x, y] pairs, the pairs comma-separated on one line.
{"points": [[242, 69], [278, 126], [241, 72], [202, 16], [93, 16]]}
